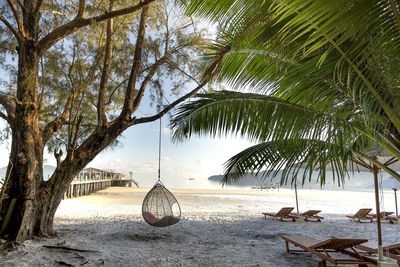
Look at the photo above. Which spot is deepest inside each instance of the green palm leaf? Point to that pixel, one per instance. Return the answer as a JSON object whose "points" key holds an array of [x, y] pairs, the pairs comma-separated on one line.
{"points": [[333, 49], [289, 158], [327, 71], [258, 117]]}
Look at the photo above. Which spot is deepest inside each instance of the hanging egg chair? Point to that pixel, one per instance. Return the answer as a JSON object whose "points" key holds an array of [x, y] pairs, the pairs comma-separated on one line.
{"points": [[160, 207]]}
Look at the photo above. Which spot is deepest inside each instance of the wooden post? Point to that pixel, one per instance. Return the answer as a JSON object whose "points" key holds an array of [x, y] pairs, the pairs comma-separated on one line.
{"points": [[297, 201], [286, 244], [375, 170]]}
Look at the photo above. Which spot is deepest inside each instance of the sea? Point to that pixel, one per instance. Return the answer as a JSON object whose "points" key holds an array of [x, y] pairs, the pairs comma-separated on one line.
{"points": [[358, 181]]}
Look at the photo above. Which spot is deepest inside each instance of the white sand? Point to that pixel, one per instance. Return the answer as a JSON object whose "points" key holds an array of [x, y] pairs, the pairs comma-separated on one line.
{"points": [[218, 228]]}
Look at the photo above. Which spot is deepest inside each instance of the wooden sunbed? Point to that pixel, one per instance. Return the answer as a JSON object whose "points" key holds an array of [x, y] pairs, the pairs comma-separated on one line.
{"points": [[392, 251], [324, 249], [390, 219], [362, 214], [311, 215], [383, 214], [386, 216], [284, 213]]}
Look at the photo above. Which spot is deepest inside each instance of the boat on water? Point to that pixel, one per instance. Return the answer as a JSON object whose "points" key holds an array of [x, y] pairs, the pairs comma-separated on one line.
{"points": [[265, 187]]}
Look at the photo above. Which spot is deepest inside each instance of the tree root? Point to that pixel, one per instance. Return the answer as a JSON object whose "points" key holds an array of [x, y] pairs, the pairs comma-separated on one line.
{"points": [[6, 245], [83, 259], [64, 263], [69, 248]]}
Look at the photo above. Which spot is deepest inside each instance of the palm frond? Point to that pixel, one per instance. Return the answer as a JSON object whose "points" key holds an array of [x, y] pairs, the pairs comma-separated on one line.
{"points": [[330, 72], [289, 158], [258, 117], [341, 50]]}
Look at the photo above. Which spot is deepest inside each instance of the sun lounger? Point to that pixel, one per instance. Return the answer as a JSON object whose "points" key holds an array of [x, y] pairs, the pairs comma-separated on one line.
{"points": [[311, 215], [390, 219], [392, 251], [362, 214], [324, 249], [284, 213], [383, 214], [386, 216]]}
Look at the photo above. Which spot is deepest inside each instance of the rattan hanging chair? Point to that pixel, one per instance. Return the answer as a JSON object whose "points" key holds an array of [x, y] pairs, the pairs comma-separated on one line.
{"points": [[160, 207]]}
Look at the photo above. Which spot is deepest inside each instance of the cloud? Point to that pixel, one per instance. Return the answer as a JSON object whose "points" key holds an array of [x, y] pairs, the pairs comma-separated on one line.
{"points": [[166, 131], [126, 166], [174, 173]]}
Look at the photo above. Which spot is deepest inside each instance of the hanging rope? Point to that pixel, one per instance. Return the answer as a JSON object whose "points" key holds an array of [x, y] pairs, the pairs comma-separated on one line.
{"points": [[160, 207], [159, 153]]}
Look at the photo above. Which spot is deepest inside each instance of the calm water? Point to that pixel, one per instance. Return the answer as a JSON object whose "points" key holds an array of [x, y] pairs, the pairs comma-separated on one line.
{"points": [[358, 182]]}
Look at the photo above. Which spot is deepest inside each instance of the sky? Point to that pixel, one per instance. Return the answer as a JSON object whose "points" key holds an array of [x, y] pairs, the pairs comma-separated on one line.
{"points": [[196, 158], [199, 157]]}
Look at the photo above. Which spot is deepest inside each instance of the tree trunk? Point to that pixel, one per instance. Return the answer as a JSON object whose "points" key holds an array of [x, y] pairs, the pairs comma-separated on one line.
{"points": [[34, 212], [26, 149], [34, 216], [37, 200]]}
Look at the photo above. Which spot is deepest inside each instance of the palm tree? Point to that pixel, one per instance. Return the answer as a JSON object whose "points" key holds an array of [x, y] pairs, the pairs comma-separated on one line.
{"points": [[327, 78], [324, 78]]}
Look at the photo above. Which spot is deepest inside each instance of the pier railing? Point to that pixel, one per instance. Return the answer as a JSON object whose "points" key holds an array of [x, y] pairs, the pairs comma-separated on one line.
{"points": [[81, 188], [89, 181]]}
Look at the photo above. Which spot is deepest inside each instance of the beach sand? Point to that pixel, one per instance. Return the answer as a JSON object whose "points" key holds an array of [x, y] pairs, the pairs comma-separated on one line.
{"points": [[218, 228]]}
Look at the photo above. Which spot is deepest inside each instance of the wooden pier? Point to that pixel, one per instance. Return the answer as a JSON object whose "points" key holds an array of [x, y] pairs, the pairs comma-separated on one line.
{"points": [[91, 180], [76, 189]]}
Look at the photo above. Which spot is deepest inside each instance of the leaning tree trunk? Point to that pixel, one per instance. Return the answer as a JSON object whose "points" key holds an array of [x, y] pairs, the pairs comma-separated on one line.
{"points": [[38, 201], [26, 150]]}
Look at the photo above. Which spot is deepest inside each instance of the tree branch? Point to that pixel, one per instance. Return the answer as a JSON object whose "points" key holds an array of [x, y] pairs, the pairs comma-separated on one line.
{"points": [[9, 107], [113, 92], [76, 133], [169, 107], [101, 115], [175, 66], [55, 124], [4, 116], [9, 26], [149, 76], [20, 4], [17, 17], [77, 23], [137, 60], [37, 8], [81, 10], [207, 76], [58, 156], [11, 50]]}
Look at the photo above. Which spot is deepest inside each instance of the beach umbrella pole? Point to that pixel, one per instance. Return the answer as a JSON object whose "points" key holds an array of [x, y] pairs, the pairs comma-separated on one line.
{"points": [[297, 201], [378, 212], [395, 201]]}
